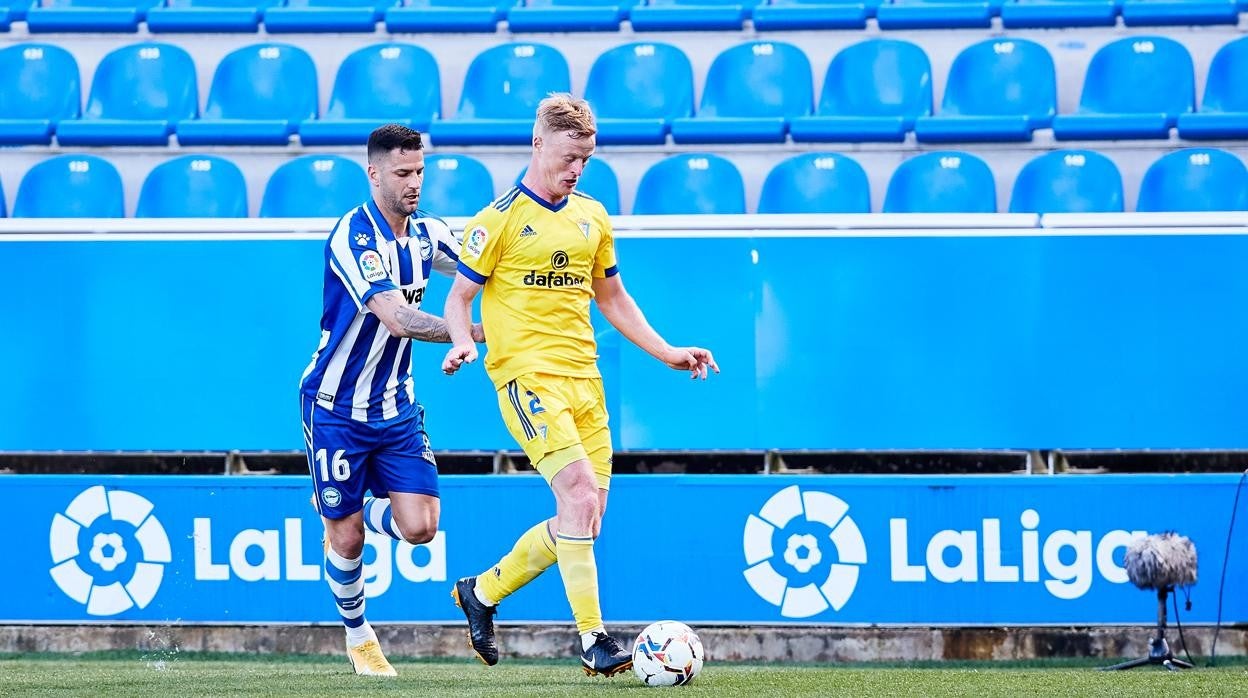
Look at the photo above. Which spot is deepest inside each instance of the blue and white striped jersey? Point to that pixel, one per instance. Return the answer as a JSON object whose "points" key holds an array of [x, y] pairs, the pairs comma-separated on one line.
{"points": [[359, 371]]}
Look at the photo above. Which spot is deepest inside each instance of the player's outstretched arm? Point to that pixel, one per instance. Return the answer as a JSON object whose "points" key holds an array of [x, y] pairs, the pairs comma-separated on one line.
{"points": [[405, 320], [619, 308], [458, 314]]}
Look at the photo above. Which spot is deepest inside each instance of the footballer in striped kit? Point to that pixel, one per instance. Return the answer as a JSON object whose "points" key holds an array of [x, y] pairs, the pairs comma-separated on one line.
{"points": [[370, 459]]}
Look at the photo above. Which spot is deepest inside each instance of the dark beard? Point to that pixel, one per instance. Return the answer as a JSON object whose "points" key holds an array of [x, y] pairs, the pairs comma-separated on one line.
{"points": [[398, 206]]}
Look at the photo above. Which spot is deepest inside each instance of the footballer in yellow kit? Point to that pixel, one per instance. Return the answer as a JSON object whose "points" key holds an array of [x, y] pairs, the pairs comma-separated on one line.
{"points": [[540, 260], [539, 254]]}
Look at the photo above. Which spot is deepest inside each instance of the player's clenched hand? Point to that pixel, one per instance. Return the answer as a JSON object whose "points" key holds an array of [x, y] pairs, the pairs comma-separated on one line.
{"points": [[458, 356], [696, 360]]}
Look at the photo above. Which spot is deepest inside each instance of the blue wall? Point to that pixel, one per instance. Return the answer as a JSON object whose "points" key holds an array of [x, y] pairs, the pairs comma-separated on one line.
{"points": [[964, 550], [837, 342]]}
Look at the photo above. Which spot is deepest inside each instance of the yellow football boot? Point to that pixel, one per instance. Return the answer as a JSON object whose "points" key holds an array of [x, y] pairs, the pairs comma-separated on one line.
{"points": [[367, 660]]}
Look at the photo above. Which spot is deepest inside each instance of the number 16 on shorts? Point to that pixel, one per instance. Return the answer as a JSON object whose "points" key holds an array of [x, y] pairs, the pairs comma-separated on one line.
{"points": [[336, 467], [331, 468]]}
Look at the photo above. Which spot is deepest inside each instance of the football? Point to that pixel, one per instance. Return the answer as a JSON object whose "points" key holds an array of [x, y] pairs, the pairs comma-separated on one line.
{"points": [[667, 653]]}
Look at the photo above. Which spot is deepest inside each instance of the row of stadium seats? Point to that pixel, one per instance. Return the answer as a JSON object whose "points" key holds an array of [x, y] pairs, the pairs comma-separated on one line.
{"points": [[404, 16], [1198, 179], [998, 90]]}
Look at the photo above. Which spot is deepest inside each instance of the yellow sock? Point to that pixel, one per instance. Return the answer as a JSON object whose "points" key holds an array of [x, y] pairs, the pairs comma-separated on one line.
{"points": [[532, 554], [580, 579]]}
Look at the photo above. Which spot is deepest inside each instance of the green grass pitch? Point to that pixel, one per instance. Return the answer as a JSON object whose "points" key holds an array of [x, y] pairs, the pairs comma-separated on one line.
{"points": [[189, 674]]}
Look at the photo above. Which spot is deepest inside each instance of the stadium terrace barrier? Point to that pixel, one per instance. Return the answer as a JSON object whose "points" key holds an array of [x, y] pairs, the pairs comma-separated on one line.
{"points": [[874, 332], [771, 550]]}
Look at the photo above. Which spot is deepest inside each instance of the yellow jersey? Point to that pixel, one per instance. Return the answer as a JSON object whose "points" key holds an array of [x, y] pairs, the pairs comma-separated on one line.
{"points": [[537, 262]]}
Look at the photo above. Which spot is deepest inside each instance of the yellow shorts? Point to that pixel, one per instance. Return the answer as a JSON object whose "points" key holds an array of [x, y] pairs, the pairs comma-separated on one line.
{"points": [[558, 420]]}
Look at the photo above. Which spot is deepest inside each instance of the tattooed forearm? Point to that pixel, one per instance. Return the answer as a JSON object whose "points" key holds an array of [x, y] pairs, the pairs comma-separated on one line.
{"points": [[417, 324]]}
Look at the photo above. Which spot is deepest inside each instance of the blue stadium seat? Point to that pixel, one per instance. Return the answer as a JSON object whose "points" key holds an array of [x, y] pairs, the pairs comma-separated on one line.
{"points": [[1046, 14], [942, 182], [882, 108], [194, 186], [1068, 181], [308, 16], [805, 15], [455, 185], [690, 183], [1195, 179], [1157, 13], [70, 186], [598, 181], [450, 16], [695, 15], [636, 91], [501, 91], [568, 15], [260, 93], [87, 16], [1223, 111], [39, 88], [139, 93], [313, 186], [203, 16], [935, 14], [412, 94], [17, 9], [816, 183], [752, 91], [997, 90], [1121, 95], [3, 210]]}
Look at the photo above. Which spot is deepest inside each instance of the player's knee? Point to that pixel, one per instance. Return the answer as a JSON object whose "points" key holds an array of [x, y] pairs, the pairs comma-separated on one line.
{"points": [[417, 527], [347, 543], [583, 505], [420, 534]]}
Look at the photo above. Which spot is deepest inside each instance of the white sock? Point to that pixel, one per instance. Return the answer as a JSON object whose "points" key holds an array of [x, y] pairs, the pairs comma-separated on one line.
{"points": [[588, 639], [360, 635], [346, 582], [379, 518], [476, 591]]}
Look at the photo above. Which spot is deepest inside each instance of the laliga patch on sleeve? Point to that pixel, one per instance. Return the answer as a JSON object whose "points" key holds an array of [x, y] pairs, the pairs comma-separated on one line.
{"points": [[370, 265], [476, 240]]}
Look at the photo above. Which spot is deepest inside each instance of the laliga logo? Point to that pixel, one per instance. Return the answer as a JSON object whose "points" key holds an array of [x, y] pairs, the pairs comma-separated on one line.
{"points": [[119, 574], [804, 521]]}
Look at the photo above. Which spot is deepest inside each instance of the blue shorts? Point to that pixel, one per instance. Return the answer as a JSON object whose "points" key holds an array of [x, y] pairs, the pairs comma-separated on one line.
{"points": [[346, 458]]}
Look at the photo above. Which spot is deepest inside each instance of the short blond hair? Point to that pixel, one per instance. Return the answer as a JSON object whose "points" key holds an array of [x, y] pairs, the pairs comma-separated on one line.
{"points": [[562, 112]]}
